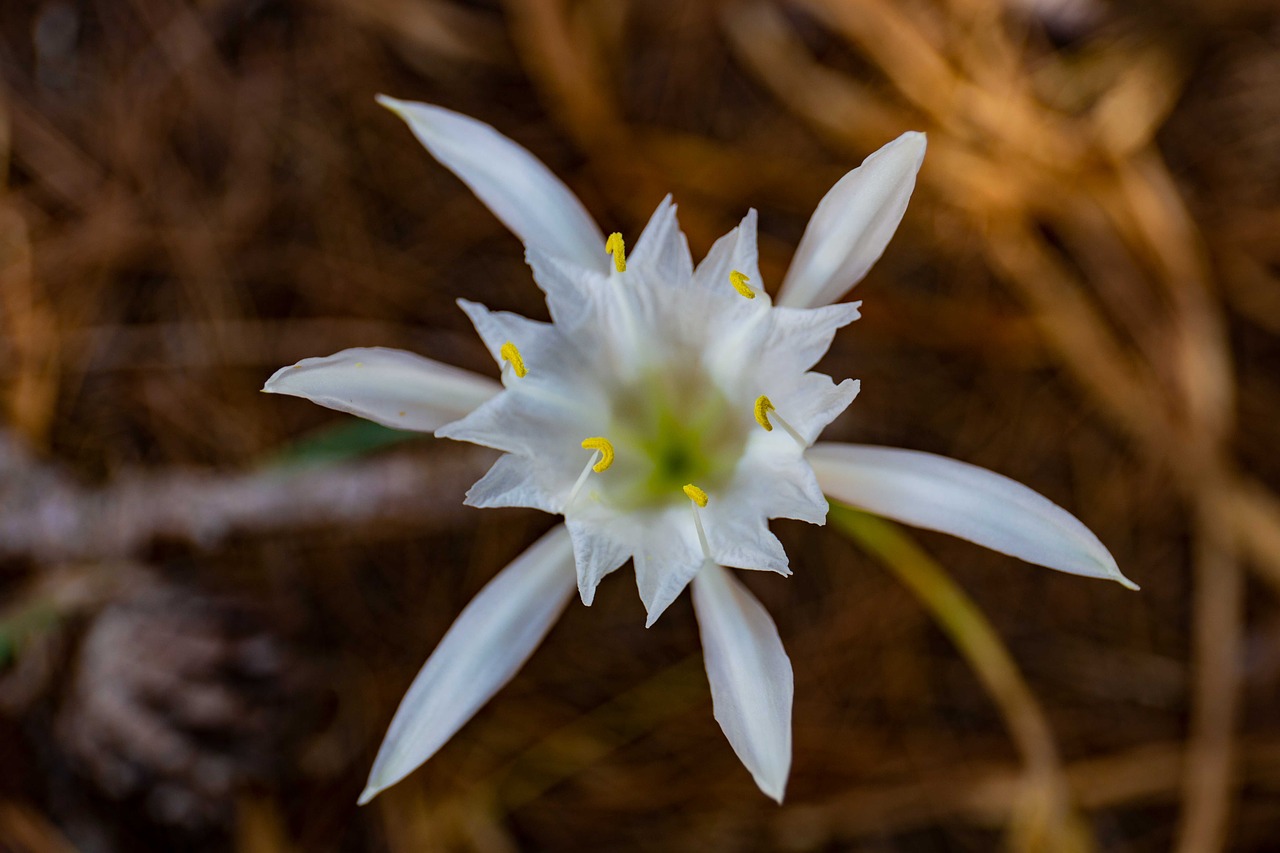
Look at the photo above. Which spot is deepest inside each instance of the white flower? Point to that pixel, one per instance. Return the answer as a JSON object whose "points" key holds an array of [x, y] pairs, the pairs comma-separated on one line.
{"points": [[667, 412]]}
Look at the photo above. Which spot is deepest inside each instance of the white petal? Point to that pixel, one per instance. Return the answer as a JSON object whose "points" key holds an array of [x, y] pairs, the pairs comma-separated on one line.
{"points": [[734, 252], [740, 538], [557, 366], [495, 328], [750, 675], [667, 556], [517, 481], [798, 338], [661, 253], [515, 185], [391, 387], [600, 546], [569, 288], [812, 402], [538, 424], [852, 225], [937, 493], [777, 479], [482, 650], [506, 423]]}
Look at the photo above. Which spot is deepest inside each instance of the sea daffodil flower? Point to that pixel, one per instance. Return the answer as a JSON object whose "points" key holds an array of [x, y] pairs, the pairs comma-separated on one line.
{"points": [[668, 412]]}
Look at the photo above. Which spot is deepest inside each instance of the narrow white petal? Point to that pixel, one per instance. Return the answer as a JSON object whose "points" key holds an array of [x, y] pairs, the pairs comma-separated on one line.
{"points": [[480, 653], [750, 675], [515, 185], [853, 224], [937, 493], [391, 387]]}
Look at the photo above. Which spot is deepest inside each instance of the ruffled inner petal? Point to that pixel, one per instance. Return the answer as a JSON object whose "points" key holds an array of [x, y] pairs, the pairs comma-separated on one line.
{"points": [[519, 481], [801, 336], [667, 557], [813, 401], [602, 543], [734, 252], [661, 255]]}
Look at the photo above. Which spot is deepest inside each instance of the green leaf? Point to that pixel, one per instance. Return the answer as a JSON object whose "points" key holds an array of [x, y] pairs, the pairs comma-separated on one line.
{"points": [[338, 442]]}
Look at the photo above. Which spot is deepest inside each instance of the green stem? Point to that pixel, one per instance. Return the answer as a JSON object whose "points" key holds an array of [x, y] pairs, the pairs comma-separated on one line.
{"points": [[976, 639]]}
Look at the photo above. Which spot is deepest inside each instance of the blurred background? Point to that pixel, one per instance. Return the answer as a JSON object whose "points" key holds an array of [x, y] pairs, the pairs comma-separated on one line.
{"points": [[211, 601]]}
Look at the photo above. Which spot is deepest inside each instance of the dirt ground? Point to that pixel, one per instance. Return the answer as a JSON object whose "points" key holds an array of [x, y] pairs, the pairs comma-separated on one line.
{"points": [[211, 600]]}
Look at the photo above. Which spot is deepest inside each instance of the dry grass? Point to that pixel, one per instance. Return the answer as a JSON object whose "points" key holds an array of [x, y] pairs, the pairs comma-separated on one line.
{"points": [[1084, 295]]}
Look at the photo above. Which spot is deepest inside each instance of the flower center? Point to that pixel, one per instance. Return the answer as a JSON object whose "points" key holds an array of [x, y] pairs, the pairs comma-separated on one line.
{"points": [[672, 427]]}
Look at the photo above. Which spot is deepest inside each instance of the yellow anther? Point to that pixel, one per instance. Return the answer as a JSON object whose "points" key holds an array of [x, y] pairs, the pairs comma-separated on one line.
{"points": [[739, 282], [616, 247], [606, 452], [511, 355], [763, 407], [696, 495]]}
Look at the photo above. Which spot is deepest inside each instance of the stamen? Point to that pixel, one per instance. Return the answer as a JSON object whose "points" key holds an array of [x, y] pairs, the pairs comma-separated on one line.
{"points": [[601, 444], [739, 282], [512, 357], [695, 494], [762, 409], [616, 247], [699, 499], [600, 460]]}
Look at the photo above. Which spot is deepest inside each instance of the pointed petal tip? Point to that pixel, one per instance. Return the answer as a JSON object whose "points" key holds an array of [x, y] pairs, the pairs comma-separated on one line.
{"points": [[776, 791], [514, 184], [271, 386], [482, 651], [1112, 571], [1126, 583], [916, 139], [394, 104], [912, 145]]}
